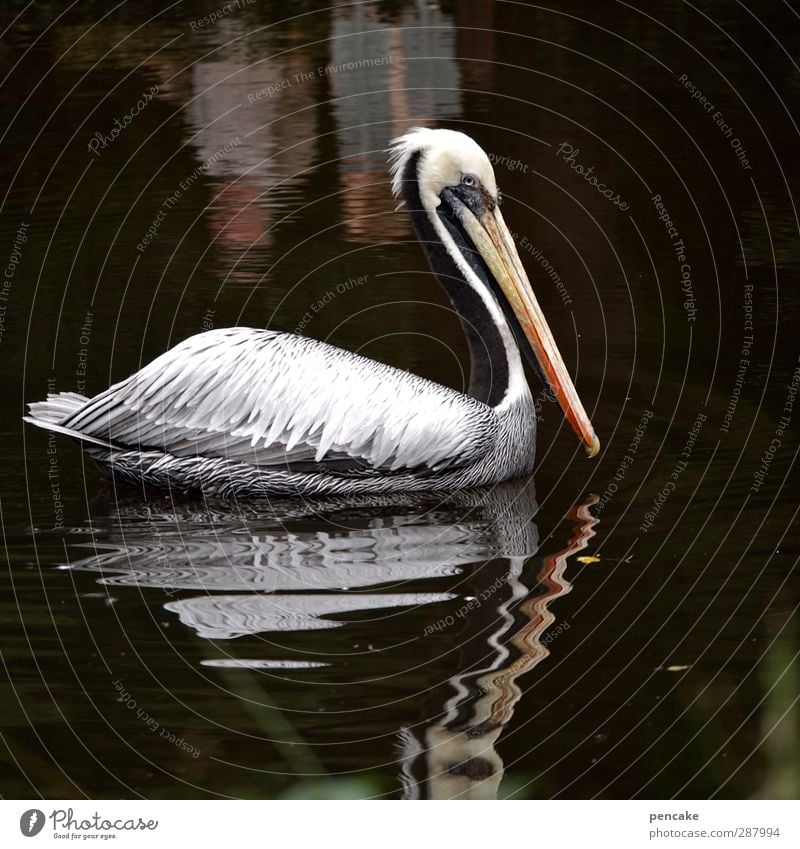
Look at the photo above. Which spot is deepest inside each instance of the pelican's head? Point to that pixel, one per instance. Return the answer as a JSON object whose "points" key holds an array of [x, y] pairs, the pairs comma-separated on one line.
{"points": [[450, 177]]}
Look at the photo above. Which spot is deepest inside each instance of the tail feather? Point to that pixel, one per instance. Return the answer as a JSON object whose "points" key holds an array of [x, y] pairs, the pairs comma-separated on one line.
{"points": [[57, 408], [50, 415]]}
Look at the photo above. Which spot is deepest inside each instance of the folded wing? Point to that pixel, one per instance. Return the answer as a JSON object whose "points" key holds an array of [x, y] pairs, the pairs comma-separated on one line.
{"points": [[274, 399]]}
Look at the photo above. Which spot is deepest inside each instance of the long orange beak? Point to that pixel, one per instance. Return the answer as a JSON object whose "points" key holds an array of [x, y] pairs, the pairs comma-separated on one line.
{"points": [[491, 238]]}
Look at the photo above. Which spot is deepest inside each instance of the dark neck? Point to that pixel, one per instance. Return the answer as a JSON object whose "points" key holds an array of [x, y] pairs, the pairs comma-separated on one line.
{"points": [[489, 365]]}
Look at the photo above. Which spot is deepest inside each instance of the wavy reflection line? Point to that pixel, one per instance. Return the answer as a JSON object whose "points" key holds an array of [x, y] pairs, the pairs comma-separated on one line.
{"points": [[458, 756], [529, 638]]}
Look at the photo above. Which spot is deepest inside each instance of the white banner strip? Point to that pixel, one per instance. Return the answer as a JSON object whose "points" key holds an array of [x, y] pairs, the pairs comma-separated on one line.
{"points": [[351, 825]]}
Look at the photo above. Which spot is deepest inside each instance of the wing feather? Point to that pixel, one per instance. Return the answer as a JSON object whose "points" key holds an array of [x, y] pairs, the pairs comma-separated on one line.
{"points": [[275, 398]]}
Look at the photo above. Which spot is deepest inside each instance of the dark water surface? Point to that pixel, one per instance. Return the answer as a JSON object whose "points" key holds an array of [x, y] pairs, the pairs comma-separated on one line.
{"points": [[177, 647]]}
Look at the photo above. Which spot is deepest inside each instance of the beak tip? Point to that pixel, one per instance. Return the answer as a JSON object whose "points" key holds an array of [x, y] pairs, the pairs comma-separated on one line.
{"points": [[593, 448]]}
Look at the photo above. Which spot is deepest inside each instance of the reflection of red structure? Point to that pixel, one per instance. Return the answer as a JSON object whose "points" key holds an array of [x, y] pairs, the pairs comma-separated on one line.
{"points": [[234, 216], [529, 638], [369, 208]]}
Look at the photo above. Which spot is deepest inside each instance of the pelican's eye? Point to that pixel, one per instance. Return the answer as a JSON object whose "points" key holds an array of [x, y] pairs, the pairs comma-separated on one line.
{"points": [[470, 181]]}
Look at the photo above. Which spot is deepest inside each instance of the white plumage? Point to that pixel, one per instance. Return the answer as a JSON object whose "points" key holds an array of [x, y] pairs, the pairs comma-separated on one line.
{"points": [[273, 399], [445, 154]]}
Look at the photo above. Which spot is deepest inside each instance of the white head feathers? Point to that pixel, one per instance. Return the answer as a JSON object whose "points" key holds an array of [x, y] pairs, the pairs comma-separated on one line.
{"points": [[445, 156]]}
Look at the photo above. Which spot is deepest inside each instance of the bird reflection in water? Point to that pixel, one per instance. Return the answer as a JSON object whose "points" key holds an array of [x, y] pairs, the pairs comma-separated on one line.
{"points": [[284, 567]]}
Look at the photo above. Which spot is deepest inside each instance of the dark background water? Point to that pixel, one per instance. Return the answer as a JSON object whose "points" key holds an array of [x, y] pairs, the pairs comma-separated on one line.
{"points": [[185, 648]]}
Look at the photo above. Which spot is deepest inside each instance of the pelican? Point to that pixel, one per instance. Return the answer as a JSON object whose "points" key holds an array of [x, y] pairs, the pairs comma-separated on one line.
{"points": [[242, 411]]}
